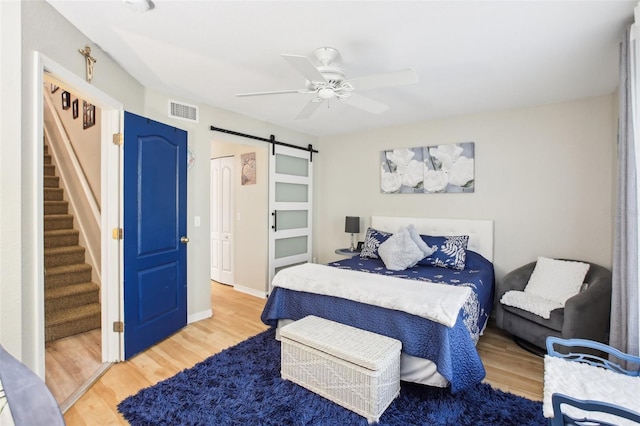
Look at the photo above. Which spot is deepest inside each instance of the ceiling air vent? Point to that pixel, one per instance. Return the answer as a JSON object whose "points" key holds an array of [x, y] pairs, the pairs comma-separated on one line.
{"points": [[183, 111]]}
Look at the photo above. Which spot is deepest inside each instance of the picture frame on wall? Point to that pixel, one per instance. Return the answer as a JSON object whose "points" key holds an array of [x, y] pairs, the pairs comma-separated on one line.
{"points": [[248, 162], [88, 115], [74, 108], [445, 168], [66, 100]]}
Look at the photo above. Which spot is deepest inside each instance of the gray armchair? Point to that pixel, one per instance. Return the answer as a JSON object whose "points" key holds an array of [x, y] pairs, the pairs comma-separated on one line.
{"points": [[585, 315]]}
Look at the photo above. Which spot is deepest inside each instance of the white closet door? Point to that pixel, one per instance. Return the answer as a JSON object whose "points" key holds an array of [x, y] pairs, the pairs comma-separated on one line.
{"points": [[222, 220], [290, 204]]}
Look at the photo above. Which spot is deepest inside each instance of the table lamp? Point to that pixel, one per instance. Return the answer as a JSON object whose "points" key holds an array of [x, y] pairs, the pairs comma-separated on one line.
{"points": [[352, 225]]}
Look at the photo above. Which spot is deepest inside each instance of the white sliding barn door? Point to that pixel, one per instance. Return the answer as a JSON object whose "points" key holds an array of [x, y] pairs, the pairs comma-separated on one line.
{"points": [[222, 220], [290, 202]]}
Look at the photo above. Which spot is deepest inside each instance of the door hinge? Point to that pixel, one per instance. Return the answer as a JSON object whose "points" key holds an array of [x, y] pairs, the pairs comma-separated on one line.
{"points": [[118, 327], [118, 139], [116, 233]]}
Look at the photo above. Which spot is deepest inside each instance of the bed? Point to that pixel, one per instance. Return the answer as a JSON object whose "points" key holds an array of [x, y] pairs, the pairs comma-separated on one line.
{"points": [[438, 313]]}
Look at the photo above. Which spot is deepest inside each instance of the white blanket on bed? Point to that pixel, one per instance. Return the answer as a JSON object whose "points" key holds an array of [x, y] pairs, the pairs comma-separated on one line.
{"points": [[436, 302]]}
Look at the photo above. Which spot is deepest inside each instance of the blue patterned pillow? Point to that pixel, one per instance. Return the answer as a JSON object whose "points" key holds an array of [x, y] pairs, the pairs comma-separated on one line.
{"points": [[451, 251], [372, 241]]}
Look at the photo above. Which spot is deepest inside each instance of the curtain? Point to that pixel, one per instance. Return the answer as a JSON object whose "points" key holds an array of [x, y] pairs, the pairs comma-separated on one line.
{"points": [[625, 304]]}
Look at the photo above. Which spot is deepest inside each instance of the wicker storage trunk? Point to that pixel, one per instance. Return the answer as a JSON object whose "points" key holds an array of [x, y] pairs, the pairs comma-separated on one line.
{"points": [[354, 368]]}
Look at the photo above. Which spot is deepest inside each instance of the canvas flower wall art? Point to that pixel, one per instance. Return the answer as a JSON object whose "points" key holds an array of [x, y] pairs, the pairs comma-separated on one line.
{"points": [[429, 169]]}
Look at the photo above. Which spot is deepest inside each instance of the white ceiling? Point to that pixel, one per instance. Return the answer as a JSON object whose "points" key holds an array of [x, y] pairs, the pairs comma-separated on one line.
{"points": [[470, 56]]}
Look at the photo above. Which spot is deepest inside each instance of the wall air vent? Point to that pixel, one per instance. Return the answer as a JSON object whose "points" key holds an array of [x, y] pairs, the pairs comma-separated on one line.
{"points": [[183, 111]]}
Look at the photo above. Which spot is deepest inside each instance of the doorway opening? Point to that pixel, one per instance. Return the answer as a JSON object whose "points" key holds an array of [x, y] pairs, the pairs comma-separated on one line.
{"points": [[71, 241], [107, 257], [245, 215]]}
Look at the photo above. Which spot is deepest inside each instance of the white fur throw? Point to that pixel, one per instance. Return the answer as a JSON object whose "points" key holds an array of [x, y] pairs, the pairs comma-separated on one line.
{"points": [[530, 303], [437, 302], [400, 252], [582, 381]]}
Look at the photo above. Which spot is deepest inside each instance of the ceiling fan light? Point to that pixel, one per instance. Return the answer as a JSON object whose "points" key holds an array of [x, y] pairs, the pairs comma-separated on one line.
{"points": [[326, 55], [326, 93]]}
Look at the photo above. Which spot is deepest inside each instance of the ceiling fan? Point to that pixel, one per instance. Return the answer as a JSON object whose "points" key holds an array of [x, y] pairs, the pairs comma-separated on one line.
{"points": [[327, 81]]}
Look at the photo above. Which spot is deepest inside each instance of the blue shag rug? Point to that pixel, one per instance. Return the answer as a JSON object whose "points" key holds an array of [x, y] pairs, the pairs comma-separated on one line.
{"points": [[242, 386]]}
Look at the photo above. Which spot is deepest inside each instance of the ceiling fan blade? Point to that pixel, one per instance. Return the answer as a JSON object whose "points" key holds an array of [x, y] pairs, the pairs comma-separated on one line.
{"points": [[277, 92], [387, 79], [366, 104], [308, 109], [304, 66]]}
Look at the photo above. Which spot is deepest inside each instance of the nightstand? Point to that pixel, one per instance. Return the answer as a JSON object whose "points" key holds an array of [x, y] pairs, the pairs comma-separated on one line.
{"points": [[347, 252]]}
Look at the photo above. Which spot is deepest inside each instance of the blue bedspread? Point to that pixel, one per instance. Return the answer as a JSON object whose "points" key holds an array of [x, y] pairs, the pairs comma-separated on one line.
{"points": [[451, 349]]}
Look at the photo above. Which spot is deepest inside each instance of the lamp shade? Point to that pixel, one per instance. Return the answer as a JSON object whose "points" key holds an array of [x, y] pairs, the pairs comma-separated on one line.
{"points": [[352, 224]]}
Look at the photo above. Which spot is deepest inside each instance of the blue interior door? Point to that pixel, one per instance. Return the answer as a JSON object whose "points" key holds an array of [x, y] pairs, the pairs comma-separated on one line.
{"points": [[155, 205]]}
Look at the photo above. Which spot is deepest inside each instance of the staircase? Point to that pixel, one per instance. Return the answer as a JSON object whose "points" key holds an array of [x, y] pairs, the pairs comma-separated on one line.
{"points": [[72, 300]]}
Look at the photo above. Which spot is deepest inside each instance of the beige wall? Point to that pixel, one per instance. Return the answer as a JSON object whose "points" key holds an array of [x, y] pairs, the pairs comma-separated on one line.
{"points": [[85, 142], [542, 174], [251, 224]]}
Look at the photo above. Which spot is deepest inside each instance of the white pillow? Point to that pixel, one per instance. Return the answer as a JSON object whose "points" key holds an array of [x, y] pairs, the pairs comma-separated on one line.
{"points": [[556, 280], [415, 236], [399, 252]]}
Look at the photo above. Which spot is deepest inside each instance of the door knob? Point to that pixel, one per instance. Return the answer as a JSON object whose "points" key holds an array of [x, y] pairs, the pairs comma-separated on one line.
{"points": [[184, 240]]}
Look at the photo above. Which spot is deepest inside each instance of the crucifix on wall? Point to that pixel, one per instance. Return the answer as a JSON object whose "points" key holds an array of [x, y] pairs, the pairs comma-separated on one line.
{"points": [[90, 60]]}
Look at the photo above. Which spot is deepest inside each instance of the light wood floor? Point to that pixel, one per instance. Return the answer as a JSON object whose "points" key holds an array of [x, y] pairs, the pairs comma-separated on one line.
{"points": [[71, 362], [237, 317]]}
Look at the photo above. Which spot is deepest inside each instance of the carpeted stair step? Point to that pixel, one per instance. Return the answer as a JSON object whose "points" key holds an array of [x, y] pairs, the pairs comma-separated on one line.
{"points": [[58, 276], [51, 181], [72, 300], [63, 256], [53, 194], [56, 207], [71, 296], [72, 321], [61, 238], [58, 221], [49, 170]]}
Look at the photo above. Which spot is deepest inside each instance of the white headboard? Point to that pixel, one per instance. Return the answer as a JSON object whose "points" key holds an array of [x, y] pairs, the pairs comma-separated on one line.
{"points": [[480, 231]]}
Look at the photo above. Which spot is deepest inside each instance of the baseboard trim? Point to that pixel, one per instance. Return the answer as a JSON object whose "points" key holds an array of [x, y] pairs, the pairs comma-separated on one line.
{"points": [[199, 316], [251, 291]]}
